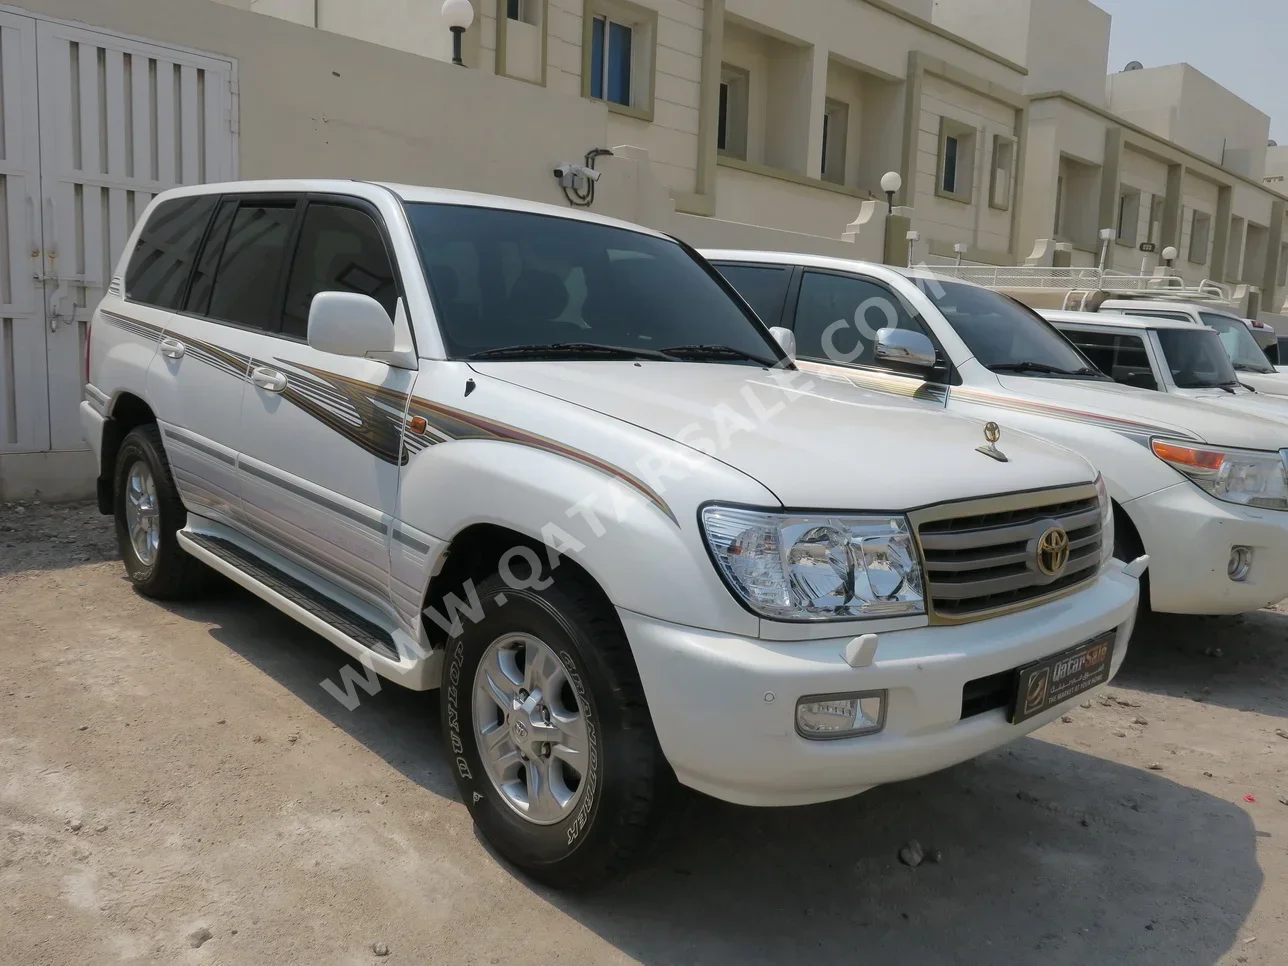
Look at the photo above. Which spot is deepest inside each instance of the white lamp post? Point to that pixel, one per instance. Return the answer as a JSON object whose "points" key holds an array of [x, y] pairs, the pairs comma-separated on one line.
{"points": [[458, 15], [890, 183], [1169, 255], [1107, 238]]}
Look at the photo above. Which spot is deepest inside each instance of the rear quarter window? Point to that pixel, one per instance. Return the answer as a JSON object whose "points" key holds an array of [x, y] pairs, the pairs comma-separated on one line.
{"points": [[163, 257], [763, 286]]}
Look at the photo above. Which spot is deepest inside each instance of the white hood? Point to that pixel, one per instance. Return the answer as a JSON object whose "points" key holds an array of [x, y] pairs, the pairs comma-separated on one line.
{"points": [[1241, 401], [1155, 413], [826, 444], [1270, 383]]}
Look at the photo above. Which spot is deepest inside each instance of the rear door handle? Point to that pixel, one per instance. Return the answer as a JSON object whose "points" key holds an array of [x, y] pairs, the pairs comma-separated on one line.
{"points": [[172, 348], [267, 379]]}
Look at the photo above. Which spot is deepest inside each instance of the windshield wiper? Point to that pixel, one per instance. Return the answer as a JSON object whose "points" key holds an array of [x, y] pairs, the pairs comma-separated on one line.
{"points": [[568, 350], [715, 352], [1043, 367], [1244, 367]]}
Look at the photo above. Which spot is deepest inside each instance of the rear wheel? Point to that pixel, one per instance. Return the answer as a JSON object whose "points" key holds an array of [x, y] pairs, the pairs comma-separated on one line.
{"points": [[149, 513], [551, 742]]}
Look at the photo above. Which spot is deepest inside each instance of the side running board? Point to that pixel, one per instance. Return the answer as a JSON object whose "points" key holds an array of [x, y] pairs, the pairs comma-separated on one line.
{"points": [[289, 594]]}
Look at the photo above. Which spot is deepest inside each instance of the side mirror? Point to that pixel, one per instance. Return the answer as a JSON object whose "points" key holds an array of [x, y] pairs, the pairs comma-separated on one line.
{"points": [[786, 340], [904, 348], [349, 324]]}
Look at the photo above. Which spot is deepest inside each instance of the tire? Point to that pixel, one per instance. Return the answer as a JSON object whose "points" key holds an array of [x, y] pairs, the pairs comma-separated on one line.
{"points": [[626, 787], [158, 567], [1127, 547]]}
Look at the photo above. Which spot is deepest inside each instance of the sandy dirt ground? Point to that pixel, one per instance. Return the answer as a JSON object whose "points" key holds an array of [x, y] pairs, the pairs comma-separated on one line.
{"points": [[168, 773]]}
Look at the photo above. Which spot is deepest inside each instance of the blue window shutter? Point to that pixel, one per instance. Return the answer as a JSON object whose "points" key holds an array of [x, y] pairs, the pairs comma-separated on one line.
{"points": [[597, 57], [619, 63]]}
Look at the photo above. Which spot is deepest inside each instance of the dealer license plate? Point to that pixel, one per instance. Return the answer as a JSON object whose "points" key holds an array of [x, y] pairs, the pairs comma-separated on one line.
{"points": [[1055, 679]]}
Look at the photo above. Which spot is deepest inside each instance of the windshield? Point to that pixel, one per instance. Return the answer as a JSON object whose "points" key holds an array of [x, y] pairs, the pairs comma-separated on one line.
{"points": [[1004, 335], [1196, 358], [1239, 344], [513, 284]]}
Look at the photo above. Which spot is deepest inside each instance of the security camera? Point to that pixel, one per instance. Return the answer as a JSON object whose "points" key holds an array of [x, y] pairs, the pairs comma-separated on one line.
{"points": [[568, 172]]}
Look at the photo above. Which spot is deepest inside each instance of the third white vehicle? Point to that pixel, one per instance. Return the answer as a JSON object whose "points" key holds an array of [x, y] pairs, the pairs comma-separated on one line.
{"points": [[1246, 353], [1203, 492], [1165, 355]]}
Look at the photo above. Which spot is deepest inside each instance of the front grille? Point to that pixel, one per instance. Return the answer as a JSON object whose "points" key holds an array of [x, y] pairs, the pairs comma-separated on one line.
{"points": [[980, 563]]}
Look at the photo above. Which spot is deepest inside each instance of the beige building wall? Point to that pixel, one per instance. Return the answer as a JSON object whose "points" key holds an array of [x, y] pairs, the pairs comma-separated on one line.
{"points": [[1063, 43], [976, 223], [1194, 112]]}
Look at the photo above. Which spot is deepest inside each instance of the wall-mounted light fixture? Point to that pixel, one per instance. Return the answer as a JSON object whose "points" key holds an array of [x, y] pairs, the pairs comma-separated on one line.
{"points": [[458, 15]]}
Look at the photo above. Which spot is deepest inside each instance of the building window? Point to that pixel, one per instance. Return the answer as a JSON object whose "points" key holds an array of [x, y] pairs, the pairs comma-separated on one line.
{"points": [[1156, 203], [1058, 225], [1200, 236], [524, 11], [956, 160], [836, 131], [618, 56], [1128, 215], [731, 129], [1003, 177]]}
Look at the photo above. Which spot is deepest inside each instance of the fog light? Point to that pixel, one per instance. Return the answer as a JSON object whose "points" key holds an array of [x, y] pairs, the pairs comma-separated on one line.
{"points": [[824, 716], [1240, 563]]}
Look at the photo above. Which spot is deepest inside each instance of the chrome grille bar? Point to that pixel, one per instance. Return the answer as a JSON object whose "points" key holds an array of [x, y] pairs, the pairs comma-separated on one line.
{"points": [[979, 564]]}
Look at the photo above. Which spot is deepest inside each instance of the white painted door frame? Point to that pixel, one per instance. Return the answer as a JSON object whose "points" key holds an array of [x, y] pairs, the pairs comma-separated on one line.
{"points": [[119, 119]]}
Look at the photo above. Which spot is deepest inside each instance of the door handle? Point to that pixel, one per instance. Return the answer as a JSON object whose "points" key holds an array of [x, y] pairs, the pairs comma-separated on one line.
{"points": [[172, 348], [267, 379]]}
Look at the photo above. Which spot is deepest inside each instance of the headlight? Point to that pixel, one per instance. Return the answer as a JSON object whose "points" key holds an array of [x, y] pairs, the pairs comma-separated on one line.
{"points": [[817, 568], [1249, 477], [1106, 521]]}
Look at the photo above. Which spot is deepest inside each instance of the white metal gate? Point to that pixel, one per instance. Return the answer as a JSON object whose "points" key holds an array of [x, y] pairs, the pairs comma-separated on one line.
{"points": [[92, 126]]}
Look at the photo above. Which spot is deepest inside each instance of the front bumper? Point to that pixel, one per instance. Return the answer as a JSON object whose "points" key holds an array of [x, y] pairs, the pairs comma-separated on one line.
{"points": [[708, 694], [1188, 536]]}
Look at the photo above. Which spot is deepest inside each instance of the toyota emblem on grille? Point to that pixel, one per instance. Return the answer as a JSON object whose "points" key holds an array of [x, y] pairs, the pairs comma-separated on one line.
{"points": [[1053, 551]]}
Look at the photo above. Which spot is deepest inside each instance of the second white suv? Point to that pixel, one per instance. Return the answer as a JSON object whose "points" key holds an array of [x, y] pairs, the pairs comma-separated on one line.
{"points": [[1203, 492], [552, 464]]}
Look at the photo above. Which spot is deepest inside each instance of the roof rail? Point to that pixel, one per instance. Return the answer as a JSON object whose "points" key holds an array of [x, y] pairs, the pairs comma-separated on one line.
{"points": [[1081, 283]]}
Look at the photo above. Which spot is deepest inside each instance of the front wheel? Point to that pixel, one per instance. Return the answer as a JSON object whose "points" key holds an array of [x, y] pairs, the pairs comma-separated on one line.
{"points": [[549, 736]]}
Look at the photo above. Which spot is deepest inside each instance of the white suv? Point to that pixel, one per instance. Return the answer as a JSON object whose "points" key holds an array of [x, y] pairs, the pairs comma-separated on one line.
{"points": [[1164, 355], [1203, 492], [553, 463], [1246, 354]]}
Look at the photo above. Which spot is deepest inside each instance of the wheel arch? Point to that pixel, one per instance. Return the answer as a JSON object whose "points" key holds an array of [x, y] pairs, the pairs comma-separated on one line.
{"points": [[472, 555], [127, 412]]}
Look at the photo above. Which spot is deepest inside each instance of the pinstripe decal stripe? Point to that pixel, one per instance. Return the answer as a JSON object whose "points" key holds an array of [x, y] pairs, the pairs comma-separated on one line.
{"points": [[1129, 427], [373, 418], [457, 424], [910, 389]]}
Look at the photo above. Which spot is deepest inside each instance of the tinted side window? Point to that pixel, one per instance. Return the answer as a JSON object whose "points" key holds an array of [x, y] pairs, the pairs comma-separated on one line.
{"points": [[838, 317], [246, 284], [340, 250], [764, 288], [167, 247], [1122, 357], [203, 278]]}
